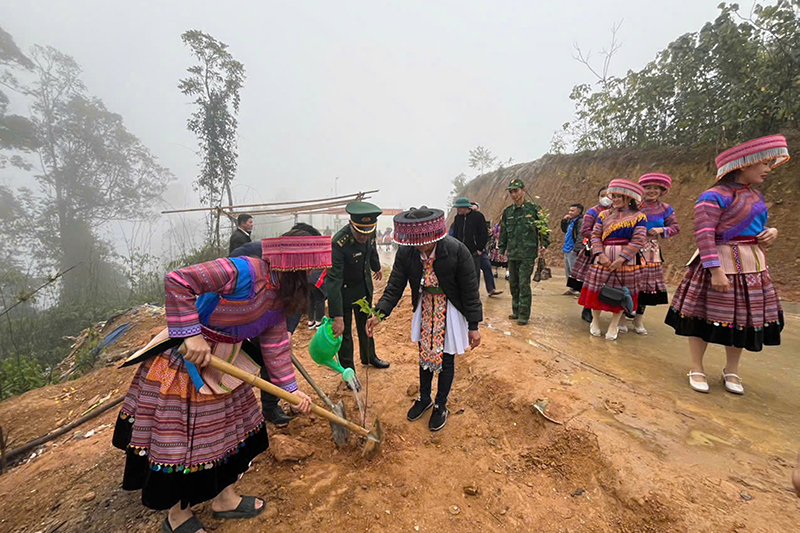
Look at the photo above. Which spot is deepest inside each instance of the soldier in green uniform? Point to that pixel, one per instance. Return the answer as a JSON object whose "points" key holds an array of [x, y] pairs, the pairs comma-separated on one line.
{"points": [[520, 238], [355, 263]]}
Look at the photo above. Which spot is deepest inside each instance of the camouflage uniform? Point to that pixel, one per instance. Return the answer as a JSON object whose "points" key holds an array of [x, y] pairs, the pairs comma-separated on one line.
{"points": [[520, 239]]}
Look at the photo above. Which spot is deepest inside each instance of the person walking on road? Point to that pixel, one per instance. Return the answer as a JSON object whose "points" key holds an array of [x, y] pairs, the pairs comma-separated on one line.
{"points": [[570, 225], [727, 296], [355, 264], [617, 238], [661, 224], [521, 239], [584, 260], [445, 299]]}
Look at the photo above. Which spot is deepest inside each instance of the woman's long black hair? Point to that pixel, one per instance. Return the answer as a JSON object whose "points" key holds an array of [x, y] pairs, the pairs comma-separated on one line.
{"points": [[293, 290]]}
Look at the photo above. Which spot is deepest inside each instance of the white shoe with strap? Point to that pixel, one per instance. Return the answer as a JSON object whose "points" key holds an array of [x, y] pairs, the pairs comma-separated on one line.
{"points": [[730, 386], [699, 386]]}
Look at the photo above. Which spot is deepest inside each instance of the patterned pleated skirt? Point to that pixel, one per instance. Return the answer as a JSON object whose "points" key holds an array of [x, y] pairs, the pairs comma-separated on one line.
{"points": [[654, 288], [181, 445], [630, 275], [748, 315]]}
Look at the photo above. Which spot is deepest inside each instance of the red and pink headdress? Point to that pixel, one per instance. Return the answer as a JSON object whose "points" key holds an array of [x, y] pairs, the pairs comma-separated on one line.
{"points": [[286, 254], [770, 148], [626, 187], [418, 227], [655, 178]]}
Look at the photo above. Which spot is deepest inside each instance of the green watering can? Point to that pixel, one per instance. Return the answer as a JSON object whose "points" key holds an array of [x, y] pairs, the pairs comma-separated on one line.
{"points": [[324, 347]]}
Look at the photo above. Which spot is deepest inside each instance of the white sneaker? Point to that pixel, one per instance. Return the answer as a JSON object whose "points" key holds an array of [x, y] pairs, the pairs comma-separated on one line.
{"points": [[730, 386], [317, 324], [699, 386], [310, 324]]}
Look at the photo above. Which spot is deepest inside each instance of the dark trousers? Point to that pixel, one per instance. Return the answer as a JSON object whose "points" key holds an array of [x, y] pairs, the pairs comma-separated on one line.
{"points": [[316, 305], [488, 276], [268, 401], [445, 380], [366, 345]]}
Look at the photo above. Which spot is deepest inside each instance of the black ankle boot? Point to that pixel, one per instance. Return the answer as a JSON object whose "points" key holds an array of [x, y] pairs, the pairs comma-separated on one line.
{"points": [[438, 418], [419, 408], [277, 416]]}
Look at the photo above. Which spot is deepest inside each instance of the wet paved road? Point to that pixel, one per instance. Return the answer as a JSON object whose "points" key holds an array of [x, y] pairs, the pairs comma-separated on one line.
{"points": [[767, 416]]}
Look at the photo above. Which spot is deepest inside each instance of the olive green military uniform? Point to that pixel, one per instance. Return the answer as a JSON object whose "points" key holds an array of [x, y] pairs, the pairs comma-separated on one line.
{"points": [[350, 279], [520, 239]]}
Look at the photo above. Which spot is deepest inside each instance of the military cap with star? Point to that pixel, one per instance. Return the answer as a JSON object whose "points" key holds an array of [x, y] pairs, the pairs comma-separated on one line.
{"points": [[363, 216], [515, 184]]}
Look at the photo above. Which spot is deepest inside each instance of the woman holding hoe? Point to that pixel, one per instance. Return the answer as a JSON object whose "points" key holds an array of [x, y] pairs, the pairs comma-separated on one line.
{"points": [[189, 431]]}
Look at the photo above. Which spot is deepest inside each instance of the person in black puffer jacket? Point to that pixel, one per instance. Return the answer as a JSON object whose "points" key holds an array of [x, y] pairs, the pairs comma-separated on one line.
{"points": [[469, 227], [445, 298]]}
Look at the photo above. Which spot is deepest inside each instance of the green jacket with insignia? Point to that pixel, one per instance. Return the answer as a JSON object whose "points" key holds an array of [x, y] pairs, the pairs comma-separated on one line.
{"points": [[520, 238], [353, 265]]}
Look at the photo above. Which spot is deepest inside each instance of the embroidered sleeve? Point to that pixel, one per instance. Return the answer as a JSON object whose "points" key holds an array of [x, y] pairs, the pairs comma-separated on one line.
{"points": [[588, 223], [183, 286], [707, 211], [638, 239], [276, 350], [671, 226], [597, 235]]}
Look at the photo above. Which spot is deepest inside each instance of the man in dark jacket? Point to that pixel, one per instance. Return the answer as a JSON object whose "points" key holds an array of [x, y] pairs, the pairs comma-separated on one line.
{"points": [[445, 298], [469, 227], [241, 235]]}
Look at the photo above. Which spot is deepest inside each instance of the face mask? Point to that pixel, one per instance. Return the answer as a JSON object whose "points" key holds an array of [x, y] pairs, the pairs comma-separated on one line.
{"points": [[605, 201]]}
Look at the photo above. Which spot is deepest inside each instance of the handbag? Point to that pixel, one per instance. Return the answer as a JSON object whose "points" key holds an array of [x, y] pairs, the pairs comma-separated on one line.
{"points": [[615, 296]]}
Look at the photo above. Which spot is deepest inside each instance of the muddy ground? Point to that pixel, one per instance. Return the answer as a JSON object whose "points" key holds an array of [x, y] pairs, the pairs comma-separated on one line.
{"points": [[633, 454]]}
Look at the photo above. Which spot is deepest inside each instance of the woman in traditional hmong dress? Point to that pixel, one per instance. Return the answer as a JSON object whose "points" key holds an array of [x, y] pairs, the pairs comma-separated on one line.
{"points": [[584, 260], [727, 296], [498, 260], [661, 224], [445, 298], [617, 237], [188, 430]]}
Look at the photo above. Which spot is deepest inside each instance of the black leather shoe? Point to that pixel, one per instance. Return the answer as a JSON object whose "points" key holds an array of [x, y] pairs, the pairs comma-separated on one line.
{"points": [[277, 416], [513, 316], [438, 418], [586, 315], [377, 362]]}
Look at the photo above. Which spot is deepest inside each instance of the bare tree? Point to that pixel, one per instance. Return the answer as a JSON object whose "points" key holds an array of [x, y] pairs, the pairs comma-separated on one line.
{"points": [[607, 54]]}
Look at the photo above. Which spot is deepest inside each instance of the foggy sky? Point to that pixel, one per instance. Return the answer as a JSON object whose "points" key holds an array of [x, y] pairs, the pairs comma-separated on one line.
{"points": [[389, 97]]}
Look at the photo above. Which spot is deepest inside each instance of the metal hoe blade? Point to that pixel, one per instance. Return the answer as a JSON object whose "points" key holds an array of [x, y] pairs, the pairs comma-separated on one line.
{"points": [[374, 440]]}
